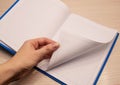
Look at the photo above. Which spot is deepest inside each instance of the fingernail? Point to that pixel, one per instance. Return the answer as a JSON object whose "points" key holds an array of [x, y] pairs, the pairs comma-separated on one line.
{"points": [[55, 45]]}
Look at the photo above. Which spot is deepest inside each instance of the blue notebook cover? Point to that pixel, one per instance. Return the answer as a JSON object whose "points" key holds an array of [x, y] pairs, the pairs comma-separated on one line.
{"points": [[12, 52]]}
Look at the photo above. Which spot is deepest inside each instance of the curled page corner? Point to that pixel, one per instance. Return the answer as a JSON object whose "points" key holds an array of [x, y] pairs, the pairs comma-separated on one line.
{"points": [[71, 46]]}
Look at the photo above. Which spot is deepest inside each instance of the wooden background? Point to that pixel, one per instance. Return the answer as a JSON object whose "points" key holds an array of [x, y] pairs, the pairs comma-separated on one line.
{"points": [[106, 12]]}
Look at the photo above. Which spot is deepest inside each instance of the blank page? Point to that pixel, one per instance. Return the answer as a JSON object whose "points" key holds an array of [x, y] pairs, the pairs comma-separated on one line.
{"points": [[32, 19]]}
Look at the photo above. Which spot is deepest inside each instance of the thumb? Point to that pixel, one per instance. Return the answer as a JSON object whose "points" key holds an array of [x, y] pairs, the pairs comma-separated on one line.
{"points": [[47, 49]]}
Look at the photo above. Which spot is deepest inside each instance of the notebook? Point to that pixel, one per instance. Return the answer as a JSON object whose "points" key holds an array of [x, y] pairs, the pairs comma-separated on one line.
{"points": [[85, 46]]}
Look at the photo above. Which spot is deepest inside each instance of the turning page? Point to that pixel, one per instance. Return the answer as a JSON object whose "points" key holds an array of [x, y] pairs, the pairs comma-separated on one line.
{"points": [[32, 19], [78, 36], [84, 47]]}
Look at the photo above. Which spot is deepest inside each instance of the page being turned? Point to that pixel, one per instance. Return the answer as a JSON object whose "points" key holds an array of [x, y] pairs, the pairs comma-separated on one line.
{"points": [[77, 36]]}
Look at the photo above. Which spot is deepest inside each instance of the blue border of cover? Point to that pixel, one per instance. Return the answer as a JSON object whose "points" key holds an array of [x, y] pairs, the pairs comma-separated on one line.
{"points": [[105, 61], [7, 48], [8, 9]]}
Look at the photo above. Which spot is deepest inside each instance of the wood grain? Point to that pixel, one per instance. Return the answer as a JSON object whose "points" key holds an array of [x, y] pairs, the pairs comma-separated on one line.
{"points": [[105, 12]]}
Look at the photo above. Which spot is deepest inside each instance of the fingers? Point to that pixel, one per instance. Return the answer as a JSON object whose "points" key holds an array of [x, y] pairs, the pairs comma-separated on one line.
{"points": [[37, 43], [48, 56], [43, 41], [48, 49], [42, 48]]}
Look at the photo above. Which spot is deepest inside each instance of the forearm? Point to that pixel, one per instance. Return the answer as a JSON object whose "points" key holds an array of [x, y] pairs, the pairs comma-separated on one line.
{"points": [[6, 73]]}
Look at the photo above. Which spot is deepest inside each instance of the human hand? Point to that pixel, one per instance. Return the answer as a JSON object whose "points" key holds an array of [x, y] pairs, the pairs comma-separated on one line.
{"points": [[29, 55]]}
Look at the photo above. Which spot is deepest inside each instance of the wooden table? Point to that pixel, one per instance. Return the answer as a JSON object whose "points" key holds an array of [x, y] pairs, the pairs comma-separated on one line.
{"points": [[106, 12]]}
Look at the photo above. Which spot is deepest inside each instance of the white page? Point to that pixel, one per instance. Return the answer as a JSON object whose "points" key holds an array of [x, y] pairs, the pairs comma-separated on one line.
{"points": [[32, 19]]}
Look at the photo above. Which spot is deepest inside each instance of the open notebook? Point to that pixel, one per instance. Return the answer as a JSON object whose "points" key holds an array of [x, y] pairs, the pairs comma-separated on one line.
{"points": [[85, 45]]}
